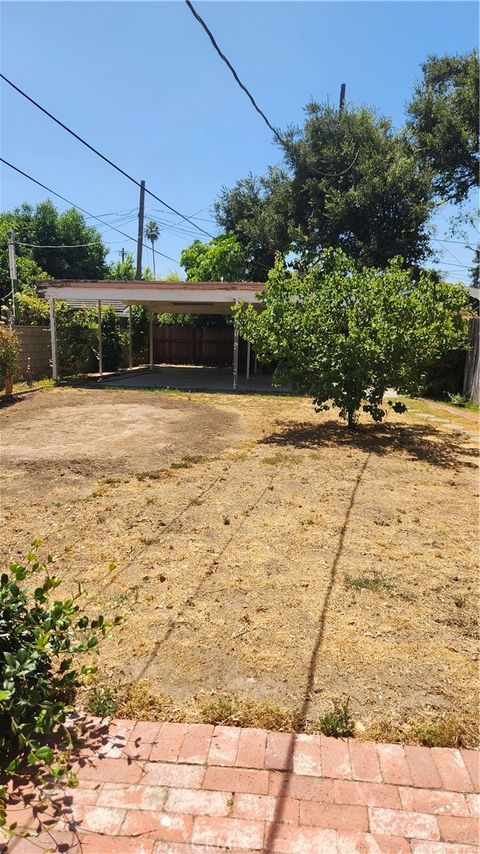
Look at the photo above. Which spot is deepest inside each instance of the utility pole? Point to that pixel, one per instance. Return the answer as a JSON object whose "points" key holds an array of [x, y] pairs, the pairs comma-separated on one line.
{"points": [[12, 263], [141, 208], [122, 253], [342, 98]]}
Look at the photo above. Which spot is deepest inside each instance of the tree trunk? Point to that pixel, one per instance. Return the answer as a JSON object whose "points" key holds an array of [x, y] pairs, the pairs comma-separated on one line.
{"points": [[153, 256], [8, 385], [351, 419]]}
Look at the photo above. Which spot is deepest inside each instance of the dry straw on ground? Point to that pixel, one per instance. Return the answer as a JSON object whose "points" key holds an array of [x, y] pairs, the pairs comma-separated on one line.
{"points": [[347, 566]]}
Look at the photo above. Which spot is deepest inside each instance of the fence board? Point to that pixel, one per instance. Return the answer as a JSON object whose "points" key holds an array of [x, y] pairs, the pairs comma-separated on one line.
{"points": [[195, 345]]}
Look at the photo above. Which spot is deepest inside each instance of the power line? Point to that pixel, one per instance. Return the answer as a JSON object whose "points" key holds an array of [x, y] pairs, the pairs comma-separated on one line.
{"points": [[64, 199], [285, 143], [99, 153], [58, 245], [457, 242], [230, 66]]}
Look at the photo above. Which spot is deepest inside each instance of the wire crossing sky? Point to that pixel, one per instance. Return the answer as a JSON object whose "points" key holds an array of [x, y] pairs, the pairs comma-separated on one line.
{"points": [[141, 83]]}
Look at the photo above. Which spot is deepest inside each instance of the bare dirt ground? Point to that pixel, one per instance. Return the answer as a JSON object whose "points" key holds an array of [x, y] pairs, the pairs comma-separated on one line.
{"points": [[259, 548]]}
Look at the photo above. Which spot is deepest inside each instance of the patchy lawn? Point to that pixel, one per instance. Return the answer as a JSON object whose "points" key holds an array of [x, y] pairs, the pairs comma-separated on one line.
{"points": [[260, 549]]}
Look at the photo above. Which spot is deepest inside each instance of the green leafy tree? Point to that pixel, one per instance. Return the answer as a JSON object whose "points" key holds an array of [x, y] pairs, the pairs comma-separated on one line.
{"points": [[44, 225], [121, 270], [344, 334], [349, 180], [444, 121], [258, 211], [152, 233], [221, 259], [67, 229]]}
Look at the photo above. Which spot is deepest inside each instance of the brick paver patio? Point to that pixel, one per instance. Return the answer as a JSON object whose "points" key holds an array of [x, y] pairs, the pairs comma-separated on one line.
{"points": [[153, 788]]}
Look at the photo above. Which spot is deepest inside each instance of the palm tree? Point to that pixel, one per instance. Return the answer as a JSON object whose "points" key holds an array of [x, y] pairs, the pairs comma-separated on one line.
{"points": [[152, 233]]}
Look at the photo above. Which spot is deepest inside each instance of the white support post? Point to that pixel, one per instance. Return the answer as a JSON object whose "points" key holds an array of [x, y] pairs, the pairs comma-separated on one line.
{"points": [[235, 358], [151, 337], [130, 354], [100, 354], [247, 372], [53, 339]]}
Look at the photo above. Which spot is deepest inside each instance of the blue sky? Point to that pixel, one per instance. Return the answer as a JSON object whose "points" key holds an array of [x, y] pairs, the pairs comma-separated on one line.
{"points": [[141, 82]]}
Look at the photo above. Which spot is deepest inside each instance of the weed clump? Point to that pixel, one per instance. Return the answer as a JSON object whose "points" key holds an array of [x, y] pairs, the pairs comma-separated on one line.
{"points": [[374, 582], [338, 723]]}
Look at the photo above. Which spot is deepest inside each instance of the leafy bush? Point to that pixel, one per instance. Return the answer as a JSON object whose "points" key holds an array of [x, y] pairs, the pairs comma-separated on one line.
{"points": [[9, 351], [41, 641], [77, 339], [32, 310], [112, 340]]}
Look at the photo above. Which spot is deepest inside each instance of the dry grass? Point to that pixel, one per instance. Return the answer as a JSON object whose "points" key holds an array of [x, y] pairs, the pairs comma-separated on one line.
{"points": [[285, 563]]}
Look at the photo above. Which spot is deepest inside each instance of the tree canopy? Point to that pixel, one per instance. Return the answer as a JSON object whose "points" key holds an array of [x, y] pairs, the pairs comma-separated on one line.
{"points": [[349, 180], [343, 334], [444, 120], [221, 259], [43, 226]]}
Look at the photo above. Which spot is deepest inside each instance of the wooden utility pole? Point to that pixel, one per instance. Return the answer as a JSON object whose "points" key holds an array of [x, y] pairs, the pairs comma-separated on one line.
{"points": [[342, 97], [141, 209], [122, 253], [12, 264]]}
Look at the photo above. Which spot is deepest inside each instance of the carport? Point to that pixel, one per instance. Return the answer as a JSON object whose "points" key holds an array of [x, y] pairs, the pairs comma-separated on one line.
{"points": [[157, 297]]}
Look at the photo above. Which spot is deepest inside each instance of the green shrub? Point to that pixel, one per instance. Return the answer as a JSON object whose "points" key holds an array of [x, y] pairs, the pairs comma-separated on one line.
{"points": [[77, 339], [32, 310], [112, 340], [140, 336], [338, 723], [9, 351], [42, 639], [102, 702]]}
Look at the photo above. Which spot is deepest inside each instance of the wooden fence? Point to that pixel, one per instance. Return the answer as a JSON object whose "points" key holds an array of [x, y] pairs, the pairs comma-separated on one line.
{"points": [[196, 345], [471, 381]]}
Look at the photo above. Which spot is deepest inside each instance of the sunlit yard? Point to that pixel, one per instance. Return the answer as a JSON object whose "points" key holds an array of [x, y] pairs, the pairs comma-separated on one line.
{"points": [[261, 551]]}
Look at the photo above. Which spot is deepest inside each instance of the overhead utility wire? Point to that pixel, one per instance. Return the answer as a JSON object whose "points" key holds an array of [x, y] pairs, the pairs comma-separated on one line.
{"points": [[99, 153], [284, 142], [230, 66], [64, 199], [58, 245]]}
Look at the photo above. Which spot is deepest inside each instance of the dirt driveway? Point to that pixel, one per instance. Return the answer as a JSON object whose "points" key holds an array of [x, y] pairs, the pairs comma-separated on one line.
{"points": [[259, 548]]}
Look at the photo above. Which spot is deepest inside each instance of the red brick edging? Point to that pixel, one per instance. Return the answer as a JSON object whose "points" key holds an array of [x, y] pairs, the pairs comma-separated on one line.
{"points": [[172, 788]]}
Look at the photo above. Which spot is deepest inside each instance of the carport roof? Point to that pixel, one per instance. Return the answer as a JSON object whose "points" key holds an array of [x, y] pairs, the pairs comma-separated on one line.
{"points": [[125, 285], [161, 296]]}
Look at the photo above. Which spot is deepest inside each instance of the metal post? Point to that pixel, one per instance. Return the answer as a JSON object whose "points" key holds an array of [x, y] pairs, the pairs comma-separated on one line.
{"points": [[235, 358], [53, 339], [247, 372], [100, 354], [12, 263], [151, 337], [130, 353]]}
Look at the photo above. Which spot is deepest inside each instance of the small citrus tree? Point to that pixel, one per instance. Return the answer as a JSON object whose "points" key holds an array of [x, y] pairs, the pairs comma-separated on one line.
{"points": [[9, 351], [344, 334]]}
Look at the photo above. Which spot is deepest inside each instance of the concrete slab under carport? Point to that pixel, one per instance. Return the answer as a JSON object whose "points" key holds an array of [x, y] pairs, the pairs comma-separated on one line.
{"points": [[191, 378]]}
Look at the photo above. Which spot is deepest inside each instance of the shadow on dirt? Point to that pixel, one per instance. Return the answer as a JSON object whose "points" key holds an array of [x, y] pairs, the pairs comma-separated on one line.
{"points": [[417, 441]]}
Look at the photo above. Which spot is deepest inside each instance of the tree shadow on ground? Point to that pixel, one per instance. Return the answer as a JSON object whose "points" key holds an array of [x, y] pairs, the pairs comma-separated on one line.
{"points": [[418, 442]]}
